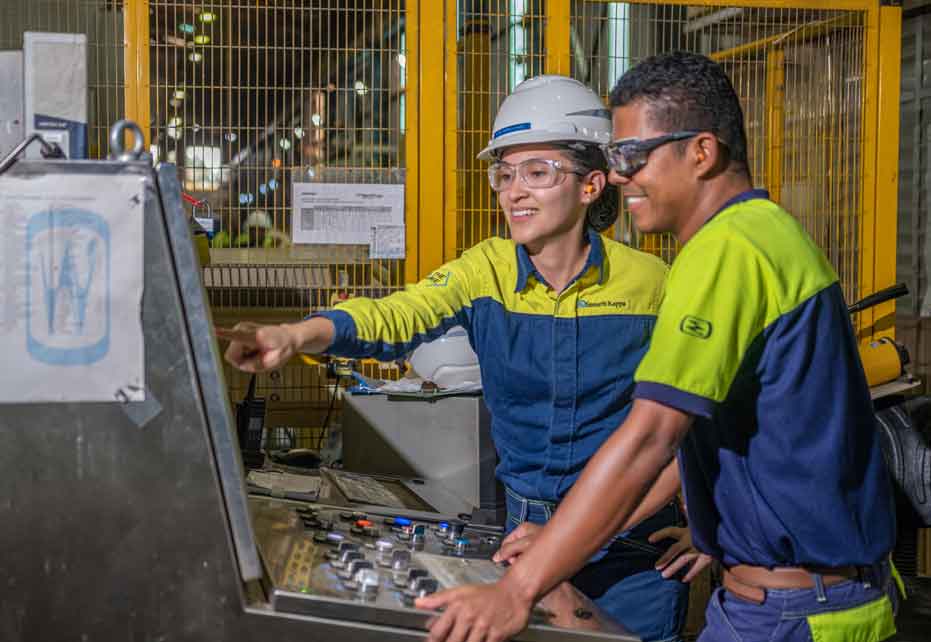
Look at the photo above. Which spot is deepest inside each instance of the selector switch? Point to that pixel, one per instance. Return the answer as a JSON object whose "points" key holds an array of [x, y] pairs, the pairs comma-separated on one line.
{"points": [[420, 587], [425, 586], [354, 567], [368, 582], [400, 560], [341, 547], [456, 529], [414, 581], [418, 536], [383, 551], [346, 558], [404, 580], [365, 583]]}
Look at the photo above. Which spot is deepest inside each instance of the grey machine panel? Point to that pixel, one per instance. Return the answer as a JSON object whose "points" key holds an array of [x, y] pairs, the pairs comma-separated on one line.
{"points": [[12, 101], [414, 497], [445, 440], [117, 527]]}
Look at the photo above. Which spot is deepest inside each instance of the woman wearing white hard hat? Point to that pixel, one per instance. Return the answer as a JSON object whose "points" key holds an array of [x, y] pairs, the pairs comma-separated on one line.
{"points": [[559, 317]]}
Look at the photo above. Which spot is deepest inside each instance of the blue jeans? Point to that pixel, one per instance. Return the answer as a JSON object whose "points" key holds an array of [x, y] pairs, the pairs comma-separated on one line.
{"points": [[783, 616], [621, 578]]}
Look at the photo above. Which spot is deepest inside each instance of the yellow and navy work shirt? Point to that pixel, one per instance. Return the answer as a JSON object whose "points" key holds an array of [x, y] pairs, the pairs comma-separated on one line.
{"points": [[783, 465], [557, 368]]}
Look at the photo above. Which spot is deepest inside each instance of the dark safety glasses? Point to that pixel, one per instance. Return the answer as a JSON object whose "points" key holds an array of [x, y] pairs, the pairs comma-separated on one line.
{"points": [[630, 155]]}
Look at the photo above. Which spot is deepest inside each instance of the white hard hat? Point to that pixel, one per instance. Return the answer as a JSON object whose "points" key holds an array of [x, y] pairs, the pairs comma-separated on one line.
{"points": [[447, 361], [549, 109]]}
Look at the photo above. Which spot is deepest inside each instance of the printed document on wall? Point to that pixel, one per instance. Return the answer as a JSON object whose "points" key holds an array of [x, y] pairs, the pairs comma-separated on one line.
{"points": [[71, 288], [344, 213]]}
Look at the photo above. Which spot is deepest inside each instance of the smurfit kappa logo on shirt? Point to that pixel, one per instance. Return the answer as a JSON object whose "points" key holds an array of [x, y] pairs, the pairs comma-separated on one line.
{"points": [[68, 287], [582, 303]]}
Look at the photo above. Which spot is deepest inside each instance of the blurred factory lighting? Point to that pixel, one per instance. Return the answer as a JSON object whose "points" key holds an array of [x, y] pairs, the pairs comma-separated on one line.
{"points": [[273, 184], [361, 89], [203, 168], [207, 16], [402, 60], [186, 28], [174, 127], [202, 40], [231, 137], [246, 199], [299, 132], [179, 94], [285, 144], [316, 119], [195, 57]]}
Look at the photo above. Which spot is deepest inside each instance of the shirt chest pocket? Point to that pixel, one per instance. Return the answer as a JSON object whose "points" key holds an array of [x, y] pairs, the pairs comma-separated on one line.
{"points": [[612, 348]]}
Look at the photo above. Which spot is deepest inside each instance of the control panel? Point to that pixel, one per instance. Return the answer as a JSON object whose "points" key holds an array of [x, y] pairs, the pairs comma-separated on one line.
{"points": [[371, 567]]}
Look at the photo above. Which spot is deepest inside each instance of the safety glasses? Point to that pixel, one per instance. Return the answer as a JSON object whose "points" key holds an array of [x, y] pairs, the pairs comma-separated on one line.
{"points": [[535, 173], [630, 155]]}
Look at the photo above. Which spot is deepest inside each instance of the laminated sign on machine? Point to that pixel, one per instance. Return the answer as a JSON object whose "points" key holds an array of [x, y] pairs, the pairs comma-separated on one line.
{"points": [[71, 327]]}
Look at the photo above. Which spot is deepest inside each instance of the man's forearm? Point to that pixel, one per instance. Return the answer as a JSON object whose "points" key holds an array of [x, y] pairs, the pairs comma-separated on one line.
{"points": [[663, 490], [602, 500]]}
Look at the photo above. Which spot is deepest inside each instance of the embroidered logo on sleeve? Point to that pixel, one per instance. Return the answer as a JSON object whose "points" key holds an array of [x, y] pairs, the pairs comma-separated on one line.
{"points": [[439, 278], [695, 327]]}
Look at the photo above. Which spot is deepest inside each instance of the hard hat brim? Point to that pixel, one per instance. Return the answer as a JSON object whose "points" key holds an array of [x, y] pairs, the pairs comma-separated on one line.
{"points": [[529, 138]]}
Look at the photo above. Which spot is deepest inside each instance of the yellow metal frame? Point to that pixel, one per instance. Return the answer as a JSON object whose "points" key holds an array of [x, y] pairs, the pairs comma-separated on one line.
{"points": [[556, 36], [775, 121], [412, 144], [880, 153], [136, 64], [431, 115], [780, 40], [827, 5], [450, 136]]}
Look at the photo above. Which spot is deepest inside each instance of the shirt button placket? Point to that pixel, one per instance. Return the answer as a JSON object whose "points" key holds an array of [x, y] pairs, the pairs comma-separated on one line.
{"points": [[565, 366]]}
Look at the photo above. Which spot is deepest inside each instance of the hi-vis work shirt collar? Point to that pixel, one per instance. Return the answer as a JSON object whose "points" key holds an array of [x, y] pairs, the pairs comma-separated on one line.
{"points": [[526, 268]]}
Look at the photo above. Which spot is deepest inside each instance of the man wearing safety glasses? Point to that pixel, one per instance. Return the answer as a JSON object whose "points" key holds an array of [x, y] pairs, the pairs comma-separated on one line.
{"points": [[752, 378]]}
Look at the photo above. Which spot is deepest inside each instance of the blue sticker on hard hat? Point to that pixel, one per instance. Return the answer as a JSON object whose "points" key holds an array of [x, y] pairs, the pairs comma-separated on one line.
{"points": [[510, 129]]}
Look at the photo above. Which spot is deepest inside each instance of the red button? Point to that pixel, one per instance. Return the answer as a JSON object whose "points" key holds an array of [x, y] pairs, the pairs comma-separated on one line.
{"points": [[362, 523]]}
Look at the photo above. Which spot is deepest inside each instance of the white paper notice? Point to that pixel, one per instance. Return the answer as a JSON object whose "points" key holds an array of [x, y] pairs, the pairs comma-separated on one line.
{"points": [[343, 213], [71, 289], [387, 242]]}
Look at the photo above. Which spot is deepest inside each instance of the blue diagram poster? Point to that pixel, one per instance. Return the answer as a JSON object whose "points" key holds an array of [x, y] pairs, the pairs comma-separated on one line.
{"points": [[71, 289]]}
